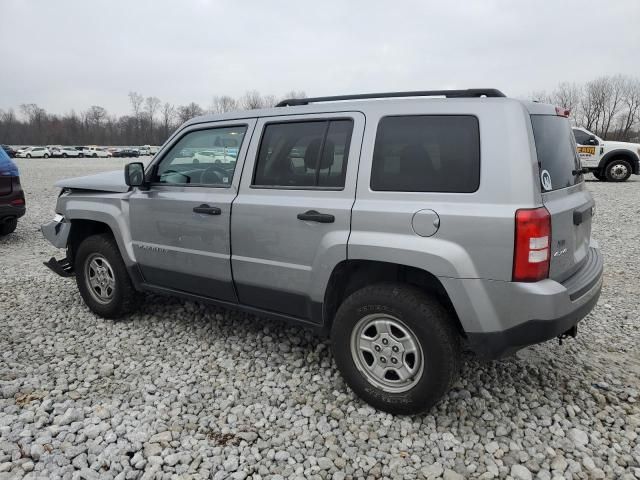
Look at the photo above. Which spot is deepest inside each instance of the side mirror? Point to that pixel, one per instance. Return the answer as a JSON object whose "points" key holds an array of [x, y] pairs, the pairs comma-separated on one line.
{"points": [[593, 140], [134, 174]]}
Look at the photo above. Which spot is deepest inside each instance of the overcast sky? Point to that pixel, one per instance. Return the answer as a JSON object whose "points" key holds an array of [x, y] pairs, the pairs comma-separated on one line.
{"points": [[71, 54]]}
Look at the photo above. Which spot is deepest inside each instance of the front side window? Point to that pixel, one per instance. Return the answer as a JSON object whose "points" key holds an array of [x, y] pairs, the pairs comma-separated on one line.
{"points": [[201, 157], [427, 153], [582, 138], [304, 154]]}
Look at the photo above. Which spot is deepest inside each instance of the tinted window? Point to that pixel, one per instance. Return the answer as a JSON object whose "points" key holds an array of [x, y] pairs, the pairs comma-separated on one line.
{"points": [[582, 138], [304, 154], [197, 158], [556, 149], [427, 153]]}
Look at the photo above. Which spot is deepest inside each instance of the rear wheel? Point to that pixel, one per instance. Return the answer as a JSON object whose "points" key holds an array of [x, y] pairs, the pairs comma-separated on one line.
{"points": [[28, 155], [396, 347], [618, 170], [64, 155], [8, 226], [46, 155], [102, 277], [599, 176]]}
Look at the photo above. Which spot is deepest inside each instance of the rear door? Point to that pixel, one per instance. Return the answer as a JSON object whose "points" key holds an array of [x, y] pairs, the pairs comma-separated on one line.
{"points": [[563, 193], [291, 220]]}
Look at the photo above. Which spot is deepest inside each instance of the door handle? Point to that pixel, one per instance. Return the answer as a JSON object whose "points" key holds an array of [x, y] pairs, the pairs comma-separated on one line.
{"points": [[314, 216], [207, 210]]}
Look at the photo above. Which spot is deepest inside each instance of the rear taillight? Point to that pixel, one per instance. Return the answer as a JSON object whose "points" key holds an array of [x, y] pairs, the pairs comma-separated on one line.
{"points": [[531, 251], [563, 112], [17, 202]]}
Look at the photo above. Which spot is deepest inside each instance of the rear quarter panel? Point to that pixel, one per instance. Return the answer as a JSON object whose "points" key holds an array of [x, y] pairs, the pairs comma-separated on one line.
{"points": [[475, 237]]}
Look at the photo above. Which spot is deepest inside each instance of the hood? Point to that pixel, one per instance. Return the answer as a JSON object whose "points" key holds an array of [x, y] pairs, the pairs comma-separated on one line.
{"points": [[623, 145], [104, 182]]}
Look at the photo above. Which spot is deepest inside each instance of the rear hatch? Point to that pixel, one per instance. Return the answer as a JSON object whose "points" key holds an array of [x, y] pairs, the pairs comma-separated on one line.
{"points": [[564, 195]]}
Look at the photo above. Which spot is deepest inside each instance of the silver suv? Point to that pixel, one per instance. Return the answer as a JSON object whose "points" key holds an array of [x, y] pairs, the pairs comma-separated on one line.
{"points": [[407, 228]]}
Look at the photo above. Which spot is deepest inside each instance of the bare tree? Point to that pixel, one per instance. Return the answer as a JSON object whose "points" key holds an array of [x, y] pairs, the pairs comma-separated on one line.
{"points": [[187, 112], [251, 100], [151, 105], [630, 115], [294, 94], [168, 114], [223, 104], [136, 103]]}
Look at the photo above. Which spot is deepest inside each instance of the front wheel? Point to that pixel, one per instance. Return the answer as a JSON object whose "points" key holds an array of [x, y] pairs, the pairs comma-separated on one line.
{"points": [[8, 226], [396, 347], [618, 170], [102, 277], [28, 155], [64, 155], [46, 155]]}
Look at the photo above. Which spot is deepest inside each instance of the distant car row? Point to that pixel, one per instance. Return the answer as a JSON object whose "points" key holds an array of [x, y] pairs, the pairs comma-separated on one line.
{"points": [[79, 151]]}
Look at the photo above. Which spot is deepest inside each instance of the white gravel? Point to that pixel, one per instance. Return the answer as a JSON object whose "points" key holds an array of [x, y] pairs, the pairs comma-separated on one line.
{"points": [[181, 390]]}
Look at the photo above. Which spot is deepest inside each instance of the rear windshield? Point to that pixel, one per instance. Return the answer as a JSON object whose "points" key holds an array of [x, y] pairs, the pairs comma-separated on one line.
{"points": [[557, 155]]}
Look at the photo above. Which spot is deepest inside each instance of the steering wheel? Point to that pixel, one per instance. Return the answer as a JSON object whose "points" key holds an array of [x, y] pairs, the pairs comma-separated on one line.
{"points": [[214, 174]]}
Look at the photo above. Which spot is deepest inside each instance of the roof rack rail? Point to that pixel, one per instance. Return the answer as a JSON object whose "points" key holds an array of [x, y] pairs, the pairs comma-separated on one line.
{"points": [[468, 93]]}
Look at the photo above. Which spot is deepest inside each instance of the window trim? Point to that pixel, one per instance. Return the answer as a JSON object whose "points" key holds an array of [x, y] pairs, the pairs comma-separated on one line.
{"points": [[153, 167], [326, 120], [371, 189]]}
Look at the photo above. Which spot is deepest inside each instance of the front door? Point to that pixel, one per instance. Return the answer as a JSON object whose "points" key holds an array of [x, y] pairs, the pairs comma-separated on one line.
{"points": [[588, 148], [180, 226], [291, 220]]}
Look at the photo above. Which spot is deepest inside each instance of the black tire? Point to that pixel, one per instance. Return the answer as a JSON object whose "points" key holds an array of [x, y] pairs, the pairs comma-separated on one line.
{"points": [[28, 155], [618, 170], [8, 226], [95, 155], [64, 155], [598, 174], [433, 328], [124, 295], [46, 155]]}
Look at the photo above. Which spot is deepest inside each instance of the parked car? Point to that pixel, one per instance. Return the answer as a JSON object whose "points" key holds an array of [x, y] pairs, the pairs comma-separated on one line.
{"points": [[9, 150], [12, 202], [144, 150], [96, 152], [128, 152], [33, 152], [607, 160], [214, 156], [407, 229], [66, 152]]}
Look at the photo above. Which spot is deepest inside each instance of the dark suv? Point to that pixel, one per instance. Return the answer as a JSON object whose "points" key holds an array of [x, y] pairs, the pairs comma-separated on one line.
{"points": [[12, 204]]}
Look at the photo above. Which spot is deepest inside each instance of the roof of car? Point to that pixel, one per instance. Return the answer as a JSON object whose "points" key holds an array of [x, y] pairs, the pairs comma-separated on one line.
{"points": [[329, 106]]}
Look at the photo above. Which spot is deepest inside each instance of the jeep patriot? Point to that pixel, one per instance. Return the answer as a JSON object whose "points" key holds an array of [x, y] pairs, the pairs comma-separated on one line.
{"points": [[406, 227]]}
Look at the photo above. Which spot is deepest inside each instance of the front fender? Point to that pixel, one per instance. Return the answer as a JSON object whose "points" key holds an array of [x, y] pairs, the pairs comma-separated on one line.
{"points": [[628, 154], [109, 209]]}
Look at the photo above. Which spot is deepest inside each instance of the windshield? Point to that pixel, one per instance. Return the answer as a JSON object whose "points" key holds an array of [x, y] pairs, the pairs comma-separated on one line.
{"points": [[557, 155]]}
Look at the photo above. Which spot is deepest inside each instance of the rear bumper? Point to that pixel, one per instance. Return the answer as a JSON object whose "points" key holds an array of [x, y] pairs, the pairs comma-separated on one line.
{"points": [[503, 317], [11, 211]]}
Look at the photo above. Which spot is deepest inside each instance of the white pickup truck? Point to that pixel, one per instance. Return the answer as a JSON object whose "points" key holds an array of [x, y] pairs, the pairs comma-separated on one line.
{"points": [[607, 160]]}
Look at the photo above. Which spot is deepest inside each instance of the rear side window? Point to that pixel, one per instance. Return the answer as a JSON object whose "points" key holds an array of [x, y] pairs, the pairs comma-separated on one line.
{"points": [[304, 154], [427, 153], [557, 155]]}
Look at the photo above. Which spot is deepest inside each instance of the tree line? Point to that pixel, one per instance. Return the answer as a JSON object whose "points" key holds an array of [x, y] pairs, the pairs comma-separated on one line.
{"points": [[150, 122], [608, 106]]}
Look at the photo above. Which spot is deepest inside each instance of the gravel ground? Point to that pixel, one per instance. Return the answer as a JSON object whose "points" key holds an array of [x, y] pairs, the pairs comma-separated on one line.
{"points": [[181, 390]]}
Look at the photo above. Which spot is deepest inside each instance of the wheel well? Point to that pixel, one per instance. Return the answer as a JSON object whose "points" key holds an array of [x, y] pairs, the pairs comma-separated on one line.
{"points": [[81, 229], [351, 275], [622, 156]]}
